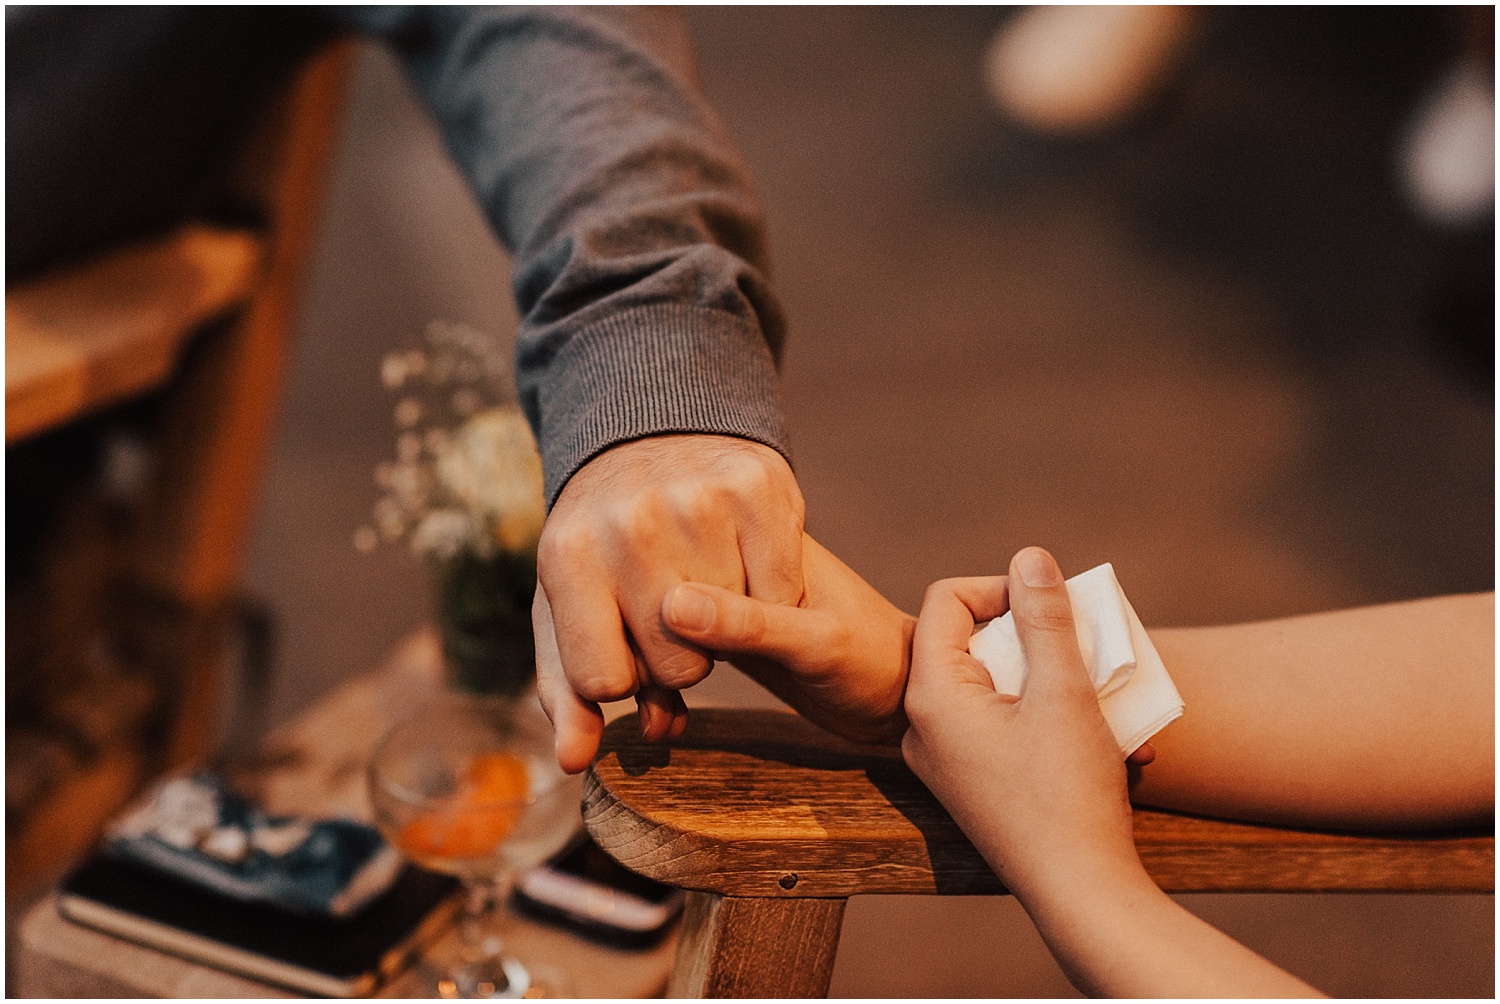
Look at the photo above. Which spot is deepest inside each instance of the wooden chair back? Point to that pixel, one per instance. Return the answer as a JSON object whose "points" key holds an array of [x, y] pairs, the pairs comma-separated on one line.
{"points": [[200, 319], [772, 823]]}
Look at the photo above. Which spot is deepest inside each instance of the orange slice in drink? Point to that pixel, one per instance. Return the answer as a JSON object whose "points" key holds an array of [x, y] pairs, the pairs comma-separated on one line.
{"points": [[499, 777], [485, 810]]}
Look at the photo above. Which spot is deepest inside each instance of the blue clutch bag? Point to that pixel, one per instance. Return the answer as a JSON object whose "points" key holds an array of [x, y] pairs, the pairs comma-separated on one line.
{"points": [[198, 831]]}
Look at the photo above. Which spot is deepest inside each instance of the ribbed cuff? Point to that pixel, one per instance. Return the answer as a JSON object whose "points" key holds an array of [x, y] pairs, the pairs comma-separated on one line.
{"points": [[655, 369]]}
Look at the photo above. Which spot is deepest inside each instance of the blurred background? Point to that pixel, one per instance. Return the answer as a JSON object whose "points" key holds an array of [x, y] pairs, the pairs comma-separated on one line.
{"points": [[1214, 342], [1216, 335]]}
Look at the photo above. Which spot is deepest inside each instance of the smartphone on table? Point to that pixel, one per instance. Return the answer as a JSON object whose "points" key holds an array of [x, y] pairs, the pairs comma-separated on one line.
{"points": [[585, 890]]}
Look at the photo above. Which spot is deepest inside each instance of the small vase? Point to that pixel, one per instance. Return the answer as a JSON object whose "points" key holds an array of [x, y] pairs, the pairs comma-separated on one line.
{"points": [[484, 619]]}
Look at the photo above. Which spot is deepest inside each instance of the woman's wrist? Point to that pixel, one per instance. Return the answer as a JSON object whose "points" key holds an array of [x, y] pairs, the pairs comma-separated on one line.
{"points": [[1095, 916], [1110, 877], [1116, 934]]}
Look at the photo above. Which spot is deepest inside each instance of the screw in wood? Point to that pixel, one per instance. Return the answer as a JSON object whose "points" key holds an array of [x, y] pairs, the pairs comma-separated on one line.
{"points": [[788, 880]]}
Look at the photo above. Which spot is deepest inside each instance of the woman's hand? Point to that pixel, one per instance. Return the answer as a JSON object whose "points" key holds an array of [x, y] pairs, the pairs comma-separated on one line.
{"points": [[1036, 783], [839, 657], [1039, 787]]}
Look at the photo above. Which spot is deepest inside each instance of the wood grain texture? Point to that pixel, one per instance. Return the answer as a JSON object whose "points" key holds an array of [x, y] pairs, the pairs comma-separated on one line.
{"points": [[754, 947], [93, 334], [762, 803]]}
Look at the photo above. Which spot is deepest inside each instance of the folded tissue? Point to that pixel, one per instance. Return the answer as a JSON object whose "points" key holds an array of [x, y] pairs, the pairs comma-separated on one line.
{"points": [[1135, 693]]}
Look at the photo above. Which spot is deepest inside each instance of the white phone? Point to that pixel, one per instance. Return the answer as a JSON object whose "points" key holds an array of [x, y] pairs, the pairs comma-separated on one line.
{"points": [[584, 889]]}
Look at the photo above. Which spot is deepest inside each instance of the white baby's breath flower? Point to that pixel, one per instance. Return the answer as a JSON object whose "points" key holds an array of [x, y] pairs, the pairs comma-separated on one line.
{"points": [[469, 340], [443, 533], [393, 371], [406, 483], [390, 517], [366, 540], [455, 461], [466, 402], [436, 441], [494, 470], [408, 412]]}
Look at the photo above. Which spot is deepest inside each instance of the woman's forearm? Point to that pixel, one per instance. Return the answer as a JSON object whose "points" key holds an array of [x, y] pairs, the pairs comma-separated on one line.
{"points": [[1377, 717], [1118, 935]]}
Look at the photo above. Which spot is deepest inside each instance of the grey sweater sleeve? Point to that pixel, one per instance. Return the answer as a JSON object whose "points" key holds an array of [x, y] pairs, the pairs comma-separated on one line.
{"points": [[640, 255]]}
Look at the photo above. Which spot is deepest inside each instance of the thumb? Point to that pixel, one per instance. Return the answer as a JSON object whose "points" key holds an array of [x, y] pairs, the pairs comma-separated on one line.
{"points": [[733, 624], [1044, 620]]}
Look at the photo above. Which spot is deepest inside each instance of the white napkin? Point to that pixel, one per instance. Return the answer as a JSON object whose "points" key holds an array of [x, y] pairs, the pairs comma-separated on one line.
{"points": [[1135, 692]]}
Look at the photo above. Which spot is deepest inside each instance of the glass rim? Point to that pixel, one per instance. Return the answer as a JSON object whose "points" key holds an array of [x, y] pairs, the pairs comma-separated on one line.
{"points": [[412, 798], [471, 702]]}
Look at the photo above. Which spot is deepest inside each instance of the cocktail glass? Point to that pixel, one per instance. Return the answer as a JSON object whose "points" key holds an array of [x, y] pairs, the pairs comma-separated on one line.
{"points": [[469, 786]]}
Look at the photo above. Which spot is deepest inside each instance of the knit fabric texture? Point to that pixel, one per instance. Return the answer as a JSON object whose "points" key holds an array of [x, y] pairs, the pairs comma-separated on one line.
{"points": [[641, 272]]}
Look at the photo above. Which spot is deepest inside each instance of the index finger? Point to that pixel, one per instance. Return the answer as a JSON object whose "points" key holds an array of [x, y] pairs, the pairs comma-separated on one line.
{"points": [[771, 541], [577, 724], [593, 653], [950, 610]]}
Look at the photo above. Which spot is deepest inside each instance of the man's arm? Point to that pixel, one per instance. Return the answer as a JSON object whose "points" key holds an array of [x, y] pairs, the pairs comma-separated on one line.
{"points": [[641, 280]]}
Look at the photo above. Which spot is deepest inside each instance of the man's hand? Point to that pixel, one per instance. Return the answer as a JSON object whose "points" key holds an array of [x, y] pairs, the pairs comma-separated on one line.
{"points": [[632, 523], [840, 658]]}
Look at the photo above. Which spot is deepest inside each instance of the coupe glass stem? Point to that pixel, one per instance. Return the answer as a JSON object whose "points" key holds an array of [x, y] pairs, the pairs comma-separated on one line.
{"points": [[477, 922], [474, 923], [484, 970]]}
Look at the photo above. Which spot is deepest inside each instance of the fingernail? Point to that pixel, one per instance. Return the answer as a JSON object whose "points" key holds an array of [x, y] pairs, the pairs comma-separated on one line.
{"points": [[1037, 568], [691, 609], [644, 707]]}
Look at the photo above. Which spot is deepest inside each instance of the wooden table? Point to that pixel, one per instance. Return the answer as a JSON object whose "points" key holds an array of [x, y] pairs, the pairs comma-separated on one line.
{"points": [[315, 765]]}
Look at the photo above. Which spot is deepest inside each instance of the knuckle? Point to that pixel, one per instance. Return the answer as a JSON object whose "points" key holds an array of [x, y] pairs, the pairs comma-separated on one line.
{"points": [[564, 546], [695, 504], [603, 687], [751, 476], [836, 639], [679, 668], [797, 522], [639, 524], [937, 591]]}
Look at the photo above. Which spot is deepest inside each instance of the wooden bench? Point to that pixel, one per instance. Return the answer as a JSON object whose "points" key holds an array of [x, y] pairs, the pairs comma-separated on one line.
{"points": [[773, 823]]}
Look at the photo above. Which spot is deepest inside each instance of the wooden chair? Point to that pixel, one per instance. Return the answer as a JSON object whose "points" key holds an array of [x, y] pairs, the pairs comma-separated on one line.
{"points": [[773, 823], [194, 323]]}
